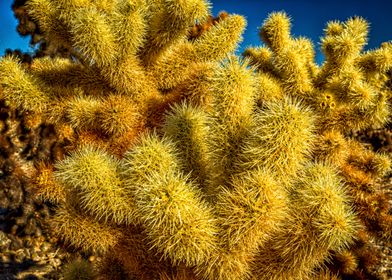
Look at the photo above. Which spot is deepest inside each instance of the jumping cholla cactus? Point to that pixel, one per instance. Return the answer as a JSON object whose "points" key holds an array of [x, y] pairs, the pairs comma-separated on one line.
{"points": [[191, 163]]}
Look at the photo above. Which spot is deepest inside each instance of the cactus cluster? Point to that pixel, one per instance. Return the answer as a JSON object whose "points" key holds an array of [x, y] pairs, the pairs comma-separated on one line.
{"points": [[189, 162]]}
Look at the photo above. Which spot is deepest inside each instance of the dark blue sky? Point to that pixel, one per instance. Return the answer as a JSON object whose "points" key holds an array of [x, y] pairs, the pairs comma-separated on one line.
{"points": [[9, 38], [308, 18]]}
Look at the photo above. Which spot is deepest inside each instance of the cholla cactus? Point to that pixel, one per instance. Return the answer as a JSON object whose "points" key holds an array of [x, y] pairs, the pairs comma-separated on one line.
{"points": [[348, 92], [131, 59], [191, 163]]}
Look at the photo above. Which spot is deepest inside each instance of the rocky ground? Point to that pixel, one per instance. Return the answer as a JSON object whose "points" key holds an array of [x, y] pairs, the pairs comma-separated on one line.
{"points": [[27, 248], [381, 141], [384, 270]]}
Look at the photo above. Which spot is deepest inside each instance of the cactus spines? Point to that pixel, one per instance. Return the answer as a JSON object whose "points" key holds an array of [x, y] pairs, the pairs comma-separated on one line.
{"points": [[231, 117], [249, 213], [187, 127], [251, 210], [118, 115], [88, 28], [82, 112], [46, 186], [174, 67], [331, 147], [170, 24], [187, 162], [344, 41], [78, 270], [151, 155], [275, 31], [292, 57], [349, 262], [44, 12], [281, 138], [180, 225], [94, 177], [21, 88], [201, 27], [226, 34], [129, 25], [331, 226], [83, 232]]}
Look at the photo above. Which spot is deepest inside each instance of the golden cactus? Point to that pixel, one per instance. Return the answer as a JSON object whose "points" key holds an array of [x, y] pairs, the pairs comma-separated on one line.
{"points": [[192, 163]]}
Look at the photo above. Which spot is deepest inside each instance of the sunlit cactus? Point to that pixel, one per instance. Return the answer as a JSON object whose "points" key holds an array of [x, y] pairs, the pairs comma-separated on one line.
{"points": [[93, 179], [309, 237], [189, 162], [348, 92]]}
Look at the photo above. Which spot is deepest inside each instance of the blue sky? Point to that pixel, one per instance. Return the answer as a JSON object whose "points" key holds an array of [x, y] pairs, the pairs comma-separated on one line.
{"points": [[9, 37], [308, 18]]}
